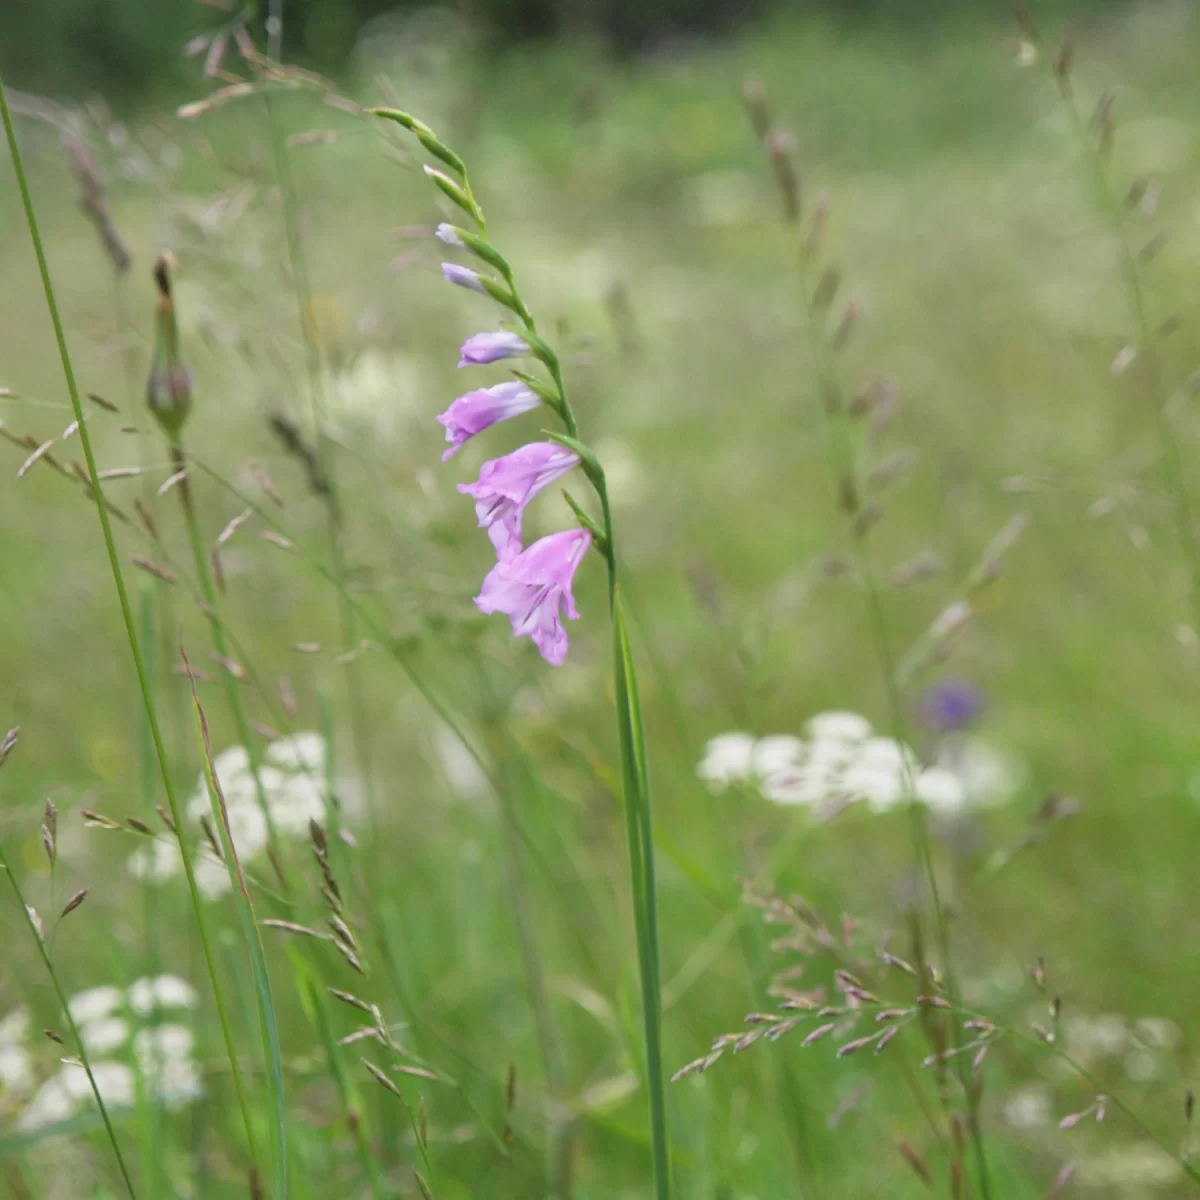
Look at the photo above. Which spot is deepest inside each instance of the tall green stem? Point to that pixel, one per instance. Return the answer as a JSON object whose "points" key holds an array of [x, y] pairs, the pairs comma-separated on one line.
{"points": [[127, 616]]}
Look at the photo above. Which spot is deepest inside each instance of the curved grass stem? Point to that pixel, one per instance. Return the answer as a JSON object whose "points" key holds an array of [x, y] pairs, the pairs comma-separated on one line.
{"points": [[144, 682], [60, 995], [1146, 365], [233, 697], [833, 407]]}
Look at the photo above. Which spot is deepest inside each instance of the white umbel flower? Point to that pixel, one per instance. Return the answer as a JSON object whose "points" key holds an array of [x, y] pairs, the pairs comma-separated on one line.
{"points": [[838, 727], [162, 991], [103, 1036], [94, 1004], [728, 759]]}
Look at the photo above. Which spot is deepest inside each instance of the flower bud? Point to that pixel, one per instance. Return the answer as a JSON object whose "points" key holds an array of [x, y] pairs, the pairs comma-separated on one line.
{"points": [[169, 385]]}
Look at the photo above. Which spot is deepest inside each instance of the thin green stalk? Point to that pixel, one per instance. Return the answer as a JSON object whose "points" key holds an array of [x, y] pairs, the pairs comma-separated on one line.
{"points": [[318, 1003], [126, 612], [833, 405], [147, 599], [317, 410], [80, 1049], [534, 970], [641, 854], [378, 631], [268, 1024], [1147, 364], [233, 696], [150, 601], [1101, 1088]]}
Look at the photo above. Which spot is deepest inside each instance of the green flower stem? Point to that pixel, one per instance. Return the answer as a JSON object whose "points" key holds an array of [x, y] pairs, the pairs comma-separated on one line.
{"points": [[638, 816], [143, 677], [47, 961], [639, 825]]}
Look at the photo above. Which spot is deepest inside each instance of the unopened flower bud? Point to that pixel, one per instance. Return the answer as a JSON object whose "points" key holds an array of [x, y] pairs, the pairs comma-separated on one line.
{"points": [[169, 385]]}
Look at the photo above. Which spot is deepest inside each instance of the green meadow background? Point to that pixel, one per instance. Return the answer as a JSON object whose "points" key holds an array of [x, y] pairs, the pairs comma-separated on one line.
{"points": [[631, 196]]}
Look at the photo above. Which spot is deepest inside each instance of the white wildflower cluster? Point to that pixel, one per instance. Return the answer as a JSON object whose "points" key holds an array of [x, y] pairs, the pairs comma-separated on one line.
{"points": [[1029, 1107], [377, 391], [293, 780], [1142, 1047], [1130, 1170], [16, 1064], [124, 1036], [841, 760]]}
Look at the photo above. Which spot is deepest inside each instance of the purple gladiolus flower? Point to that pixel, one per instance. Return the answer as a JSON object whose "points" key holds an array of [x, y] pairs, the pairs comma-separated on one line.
{"points": [[491, 347], [475, 411], [953, 704], [528, 589], [463, 276], [445, 232], [506, 485]]}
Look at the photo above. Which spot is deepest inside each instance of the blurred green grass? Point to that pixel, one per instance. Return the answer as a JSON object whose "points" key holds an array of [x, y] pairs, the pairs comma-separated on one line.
{"points": [[960, 209]]}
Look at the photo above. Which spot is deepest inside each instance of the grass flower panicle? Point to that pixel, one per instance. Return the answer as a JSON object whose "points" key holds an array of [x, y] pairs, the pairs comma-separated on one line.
{"points": [[292, 779]]}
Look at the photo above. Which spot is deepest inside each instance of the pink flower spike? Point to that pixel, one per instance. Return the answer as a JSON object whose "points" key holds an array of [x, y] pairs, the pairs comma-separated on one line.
{"points": [[478, 410], [491, 347], [506, 485], [463, 276], [528, 589]]}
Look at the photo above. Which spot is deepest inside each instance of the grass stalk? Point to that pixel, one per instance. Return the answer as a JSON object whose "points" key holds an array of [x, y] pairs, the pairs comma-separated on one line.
{"points": [[533, 968], [233, 696], [1146, 365], [833, 402], [302, 289], [264, 1003], [147, 610], [77, 1040], [144, 682]]}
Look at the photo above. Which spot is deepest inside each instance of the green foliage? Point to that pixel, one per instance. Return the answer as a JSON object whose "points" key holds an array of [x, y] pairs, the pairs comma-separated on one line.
{"points": [[130, 47], [487, 898]]}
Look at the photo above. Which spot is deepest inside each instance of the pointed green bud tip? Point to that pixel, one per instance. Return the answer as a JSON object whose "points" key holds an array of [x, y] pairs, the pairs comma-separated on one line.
{"points": [[394, 114]]}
